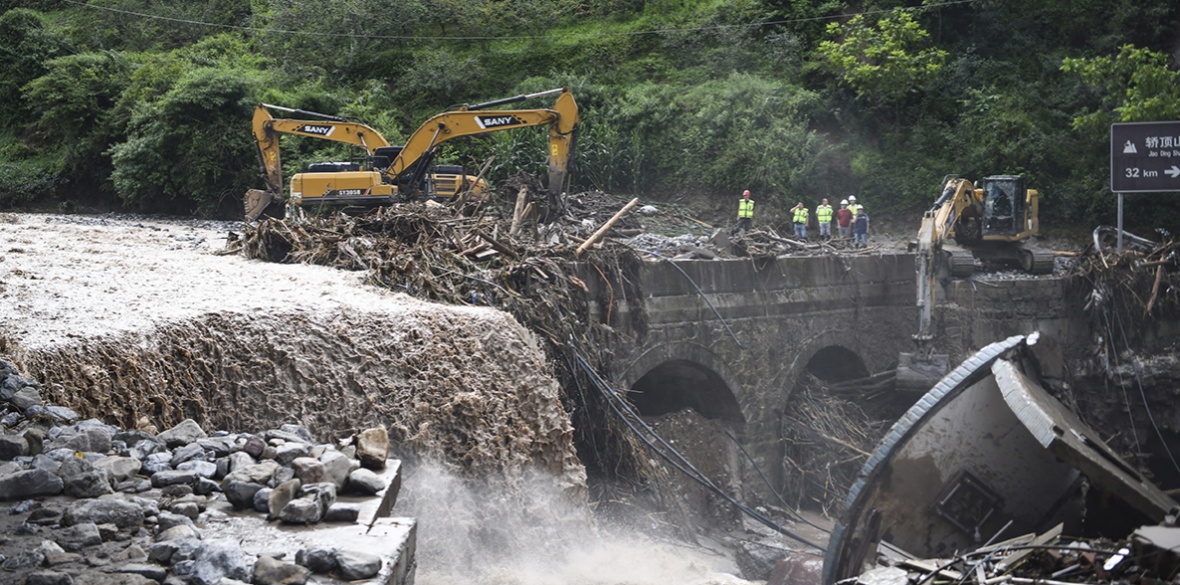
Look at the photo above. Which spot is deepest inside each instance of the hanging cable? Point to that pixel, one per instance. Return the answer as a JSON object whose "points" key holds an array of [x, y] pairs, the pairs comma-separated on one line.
{"points": [[707, 302], [673, 457], [770, 487], [1142, 393]]}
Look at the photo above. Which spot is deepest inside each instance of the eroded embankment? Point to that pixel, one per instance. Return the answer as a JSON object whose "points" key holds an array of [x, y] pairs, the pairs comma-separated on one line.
{"points": [[139, 322]]}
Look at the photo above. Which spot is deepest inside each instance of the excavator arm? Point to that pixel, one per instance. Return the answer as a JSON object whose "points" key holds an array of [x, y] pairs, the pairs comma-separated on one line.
{"points": [[266, 137], [562, 120]]}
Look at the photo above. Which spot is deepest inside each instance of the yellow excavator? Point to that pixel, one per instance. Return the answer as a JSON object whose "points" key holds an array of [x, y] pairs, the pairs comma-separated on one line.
{"points": [[992, 224], [398, 173]]}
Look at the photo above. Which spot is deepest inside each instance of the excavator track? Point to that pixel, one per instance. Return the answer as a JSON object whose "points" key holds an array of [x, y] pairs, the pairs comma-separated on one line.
{"points": [[1036, 262], [961, 263]]}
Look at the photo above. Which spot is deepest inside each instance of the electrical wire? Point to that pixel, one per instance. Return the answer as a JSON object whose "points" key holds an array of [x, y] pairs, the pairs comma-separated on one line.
{"points": [[1142, 393], [513, 37], [766, 481], [707, 301], [1107, 322], [673, 457]]}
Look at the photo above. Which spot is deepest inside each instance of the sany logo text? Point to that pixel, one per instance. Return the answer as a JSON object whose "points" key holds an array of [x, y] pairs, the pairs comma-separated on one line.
{"points": [[486, 122], [317, 130]]}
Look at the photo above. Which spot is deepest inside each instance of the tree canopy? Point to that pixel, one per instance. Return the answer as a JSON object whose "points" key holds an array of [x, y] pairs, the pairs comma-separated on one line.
{"points": [[146, 105]]}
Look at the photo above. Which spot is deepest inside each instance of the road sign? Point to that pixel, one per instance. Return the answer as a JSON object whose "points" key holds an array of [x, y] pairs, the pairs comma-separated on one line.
{"points": [[1145, 156]]}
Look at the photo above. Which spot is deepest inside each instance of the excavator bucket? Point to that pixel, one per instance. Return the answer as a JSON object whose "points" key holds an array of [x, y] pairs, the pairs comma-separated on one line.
{"points": [[258, 202], [918, 373]]}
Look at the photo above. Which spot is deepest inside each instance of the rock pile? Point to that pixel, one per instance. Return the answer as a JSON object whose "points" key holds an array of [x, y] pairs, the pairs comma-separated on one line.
{"points": [[84, 502]]}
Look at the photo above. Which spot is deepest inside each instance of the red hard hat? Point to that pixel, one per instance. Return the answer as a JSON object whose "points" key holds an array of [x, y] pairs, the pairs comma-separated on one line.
{"points": [[746, 192]]}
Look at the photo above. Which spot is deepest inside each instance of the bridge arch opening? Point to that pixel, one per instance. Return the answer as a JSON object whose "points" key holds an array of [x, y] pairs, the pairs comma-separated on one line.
{"points": [[677, 385], [836, 363]]}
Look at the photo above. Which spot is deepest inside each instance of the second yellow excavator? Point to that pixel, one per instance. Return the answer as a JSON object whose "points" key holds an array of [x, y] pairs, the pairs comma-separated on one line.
{"points": [[398, 173], [993, 224]]}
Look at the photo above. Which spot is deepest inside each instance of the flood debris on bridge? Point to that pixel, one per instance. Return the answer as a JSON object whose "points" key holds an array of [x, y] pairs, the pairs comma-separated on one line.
{"points": [[988, 454]]}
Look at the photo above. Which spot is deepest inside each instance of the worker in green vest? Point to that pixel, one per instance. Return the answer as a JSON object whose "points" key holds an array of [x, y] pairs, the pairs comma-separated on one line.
{"points": [[823, 214], [799, 217], [745, 212]]}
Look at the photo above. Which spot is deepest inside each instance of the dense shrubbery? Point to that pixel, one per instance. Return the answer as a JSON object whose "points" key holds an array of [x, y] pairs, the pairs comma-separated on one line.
{"points": [[792, 99]]}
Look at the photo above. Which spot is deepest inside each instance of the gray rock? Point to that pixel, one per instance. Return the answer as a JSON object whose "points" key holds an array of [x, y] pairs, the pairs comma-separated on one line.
{"points": [[336, 468], [26, 506], [178, 533], [10, 419], [324, 493], [254, 446], [133, 437], [221, 558], [262, 500], [240, 493], [200, 467], [299, 431], [95, 578], [25, 398], [288, 452], [218, 446], [146, 447], [173, 477], [49, 578], [259, 473], [77, 537], [285, 436], [308, 470], [182, 434], [29, 484], [187, 453], [111, 510], [93, 439], [157, 462], [132, 554], [282, 474], [341, 512], [372, 447], [45, 462], [167, 520], [13, 446], [319, 560], [81, 480], [23, 560], [304, 510], [154, 572], [36, 439], [271, 571], [117, 468], [205, 486], [61, 413], [44, 517], [238, 460], [365, 482], [161, 552], [280, 496], [189, 509], [354, 566], [134, 486]]}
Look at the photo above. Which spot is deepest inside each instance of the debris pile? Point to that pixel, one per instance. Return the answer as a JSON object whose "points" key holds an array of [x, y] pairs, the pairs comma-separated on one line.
{"points": [[130, 506], [1145, 277], [1147, 556], [829, 435]]}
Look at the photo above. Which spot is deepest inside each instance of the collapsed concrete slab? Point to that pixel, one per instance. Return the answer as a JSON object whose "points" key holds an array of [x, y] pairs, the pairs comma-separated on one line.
{"points": [[987, 453]]}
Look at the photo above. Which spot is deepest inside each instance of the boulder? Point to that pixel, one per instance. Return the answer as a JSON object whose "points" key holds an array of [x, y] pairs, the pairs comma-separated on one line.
{"points": [[30, 484], [365, 482], [271, 571], [218, 559], [354, 566], [308, 470], [75, 538], [319, 560], [111, 510], [280, 496], [13, 446], [372, 447], [182, 434]]}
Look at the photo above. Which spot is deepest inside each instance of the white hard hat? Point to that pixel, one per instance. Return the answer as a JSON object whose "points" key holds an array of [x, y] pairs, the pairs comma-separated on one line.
{"points": [[852, 198], [843, 202]]}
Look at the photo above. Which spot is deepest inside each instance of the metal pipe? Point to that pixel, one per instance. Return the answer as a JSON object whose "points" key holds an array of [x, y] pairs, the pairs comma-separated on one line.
{"points": [[304, 113], [1119, 249], [514, 99]]}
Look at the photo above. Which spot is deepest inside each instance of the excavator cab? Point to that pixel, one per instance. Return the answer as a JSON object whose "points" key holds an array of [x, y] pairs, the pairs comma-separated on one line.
{"points": [[1005, 201]]}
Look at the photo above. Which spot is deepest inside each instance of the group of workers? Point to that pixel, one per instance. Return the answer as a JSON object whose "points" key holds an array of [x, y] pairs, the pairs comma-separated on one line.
{"points": [[851, 219]]}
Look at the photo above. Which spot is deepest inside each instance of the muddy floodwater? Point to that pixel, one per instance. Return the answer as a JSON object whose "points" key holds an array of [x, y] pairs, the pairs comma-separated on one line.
{"points": [[142, 322]]}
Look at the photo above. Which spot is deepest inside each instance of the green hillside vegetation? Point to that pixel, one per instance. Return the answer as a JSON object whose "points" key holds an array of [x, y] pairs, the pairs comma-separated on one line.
{"points": [[146, 105]]}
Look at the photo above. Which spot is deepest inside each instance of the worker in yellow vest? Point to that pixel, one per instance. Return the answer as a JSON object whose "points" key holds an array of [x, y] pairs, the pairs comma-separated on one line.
{"points": [[745, 212], [799, 217], [854, 207], [823, 215]]}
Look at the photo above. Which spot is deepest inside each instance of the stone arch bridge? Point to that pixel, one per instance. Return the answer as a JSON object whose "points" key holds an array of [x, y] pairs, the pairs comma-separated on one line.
{"points": [[730, 338]]}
